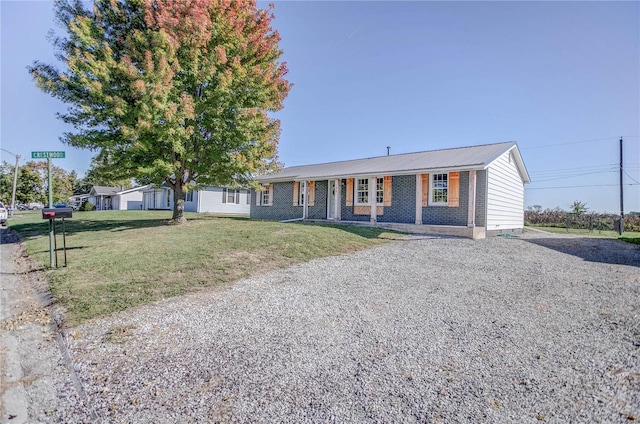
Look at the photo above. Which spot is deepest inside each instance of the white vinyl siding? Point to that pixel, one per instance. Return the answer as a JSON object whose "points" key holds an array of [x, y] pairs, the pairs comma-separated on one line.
{"points": [[505, 194], [158, 198], [209, 200], [131, 201]]}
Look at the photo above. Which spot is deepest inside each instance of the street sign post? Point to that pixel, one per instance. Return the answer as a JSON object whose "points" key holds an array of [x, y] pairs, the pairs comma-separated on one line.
{"points": [[52, 237]]}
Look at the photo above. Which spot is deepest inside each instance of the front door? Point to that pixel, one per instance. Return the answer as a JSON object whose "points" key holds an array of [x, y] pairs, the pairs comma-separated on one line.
{"points": [[331, 200]]}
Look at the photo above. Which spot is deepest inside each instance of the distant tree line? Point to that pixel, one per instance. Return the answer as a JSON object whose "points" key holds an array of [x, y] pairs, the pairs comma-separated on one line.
{"points": [[33, 182]]}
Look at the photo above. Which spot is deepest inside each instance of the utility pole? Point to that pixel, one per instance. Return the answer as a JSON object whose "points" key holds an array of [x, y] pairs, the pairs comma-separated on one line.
{"points": [[15, 181], [621, 228]]}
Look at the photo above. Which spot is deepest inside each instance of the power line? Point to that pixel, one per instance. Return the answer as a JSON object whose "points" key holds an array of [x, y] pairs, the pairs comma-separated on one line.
{"points": [[579, 186], [562, 173], [571, 142], [633, 179], [575, 175], [577, 168]]}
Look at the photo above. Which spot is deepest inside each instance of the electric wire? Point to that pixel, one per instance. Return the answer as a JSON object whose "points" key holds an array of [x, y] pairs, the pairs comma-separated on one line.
{"points": [[579, 186]]}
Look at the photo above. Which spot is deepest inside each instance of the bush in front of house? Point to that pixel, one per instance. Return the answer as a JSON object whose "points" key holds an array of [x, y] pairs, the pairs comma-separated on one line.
{"points": [[87, 206]]}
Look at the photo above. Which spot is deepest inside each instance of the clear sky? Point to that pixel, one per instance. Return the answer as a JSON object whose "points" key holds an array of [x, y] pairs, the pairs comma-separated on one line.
{"points": [[562, 79]]}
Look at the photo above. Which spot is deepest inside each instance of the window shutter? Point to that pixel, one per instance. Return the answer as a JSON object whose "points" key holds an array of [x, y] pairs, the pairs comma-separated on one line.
{"points": [[425, 189], [312, 192], [454, 189], [224, 195], [270, 194], [349, 193], [258, 197], [296, 192], [386, 191], [237, 197]]}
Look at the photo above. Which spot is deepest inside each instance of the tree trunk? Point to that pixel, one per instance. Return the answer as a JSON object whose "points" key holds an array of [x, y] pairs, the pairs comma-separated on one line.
{"points": [[178, 205]]}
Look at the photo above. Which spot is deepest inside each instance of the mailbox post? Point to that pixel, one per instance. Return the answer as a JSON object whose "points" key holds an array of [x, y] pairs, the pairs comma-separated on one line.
{"points": [[48, 156], [52, 214]]}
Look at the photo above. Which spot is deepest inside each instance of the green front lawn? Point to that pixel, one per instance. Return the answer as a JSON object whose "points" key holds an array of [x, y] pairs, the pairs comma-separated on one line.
{"points": [[121, 259]]}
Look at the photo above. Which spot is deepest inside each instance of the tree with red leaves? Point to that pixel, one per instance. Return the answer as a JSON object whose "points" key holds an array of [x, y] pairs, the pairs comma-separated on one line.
{"points": [[171, 91]]}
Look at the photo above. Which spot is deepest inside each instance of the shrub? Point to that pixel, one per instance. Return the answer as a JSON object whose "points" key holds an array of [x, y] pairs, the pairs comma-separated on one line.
{"points": [[87, 206]]}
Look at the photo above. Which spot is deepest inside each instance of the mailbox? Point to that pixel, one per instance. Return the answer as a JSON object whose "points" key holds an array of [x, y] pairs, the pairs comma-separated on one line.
{"points": [[54, 213]]}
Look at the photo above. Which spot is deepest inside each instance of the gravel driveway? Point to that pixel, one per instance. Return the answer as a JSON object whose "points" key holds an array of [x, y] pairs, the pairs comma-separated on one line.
{"points": [[529, 329]]}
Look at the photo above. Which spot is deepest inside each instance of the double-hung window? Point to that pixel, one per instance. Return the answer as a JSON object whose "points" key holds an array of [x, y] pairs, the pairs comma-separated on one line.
{"points": [[362, 191], [439, 189], [265, 195], [188, 196], [230, 196]]}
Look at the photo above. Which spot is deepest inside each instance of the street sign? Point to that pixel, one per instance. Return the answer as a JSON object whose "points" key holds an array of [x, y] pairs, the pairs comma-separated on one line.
{"points": [[47, 155]]}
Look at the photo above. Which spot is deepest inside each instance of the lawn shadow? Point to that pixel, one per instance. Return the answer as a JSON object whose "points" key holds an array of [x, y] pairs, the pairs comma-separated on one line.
{"points": [[8, 236], [592, 249], [73, 226], [89, 223]]}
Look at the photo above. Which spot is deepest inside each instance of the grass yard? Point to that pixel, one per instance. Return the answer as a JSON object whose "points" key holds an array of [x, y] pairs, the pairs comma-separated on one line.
{"points": [[631, 237], [121, 259]]}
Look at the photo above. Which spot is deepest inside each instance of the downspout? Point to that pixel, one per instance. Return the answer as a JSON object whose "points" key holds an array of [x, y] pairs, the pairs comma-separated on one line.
{"points": [[304, 206]]}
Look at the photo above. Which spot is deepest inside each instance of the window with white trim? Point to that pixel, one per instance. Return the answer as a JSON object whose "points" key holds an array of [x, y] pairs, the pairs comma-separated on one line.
{"points": [[230, 196], [362, 191], [439, 189], [301, 191], [188, 196], [265, 195], [380, 191]]}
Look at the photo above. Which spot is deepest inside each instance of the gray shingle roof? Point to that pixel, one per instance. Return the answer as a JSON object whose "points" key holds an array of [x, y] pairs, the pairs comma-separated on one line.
{"points": [[104, 191], [473, 157]]}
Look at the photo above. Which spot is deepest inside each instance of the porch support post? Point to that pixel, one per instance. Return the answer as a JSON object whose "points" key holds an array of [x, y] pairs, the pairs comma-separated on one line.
{"points": [[305, 204], [471, 216], [418, 199], [337, 198], [373, 187]]}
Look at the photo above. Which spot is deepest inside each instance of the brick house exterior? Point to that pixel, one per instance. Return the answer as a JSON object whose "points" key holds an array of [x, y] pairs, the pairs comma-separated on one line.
{"points": [[444, 191]]}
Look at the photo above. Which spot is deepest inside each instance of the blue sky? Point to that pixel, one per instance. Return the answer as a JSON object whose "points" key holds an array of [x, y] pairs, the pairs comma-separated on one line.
{"points": [[560, 78]]}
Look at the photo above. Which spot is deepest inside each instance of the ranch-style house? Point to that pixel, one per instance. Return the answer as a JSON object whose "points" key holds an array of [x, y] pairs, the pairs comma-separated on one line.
{"points": [[474, 191]]}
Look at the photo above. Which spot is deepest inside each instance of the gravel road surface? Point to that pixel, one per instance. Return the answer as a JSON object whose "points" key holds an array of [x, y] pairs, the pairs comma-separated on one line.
{"points": [[538, 328]]}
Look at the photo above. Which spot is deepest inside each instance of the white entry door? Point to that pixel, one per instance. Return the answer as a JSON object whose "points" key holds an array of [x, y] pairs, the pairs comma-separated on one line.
{"points": [[331, 200]]}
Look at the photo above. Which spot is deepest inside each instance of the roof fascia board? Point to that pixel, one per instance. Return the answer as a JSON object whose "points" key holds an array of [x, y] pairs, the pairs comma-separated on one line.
{"points": [[522, 169], [367, 174]]}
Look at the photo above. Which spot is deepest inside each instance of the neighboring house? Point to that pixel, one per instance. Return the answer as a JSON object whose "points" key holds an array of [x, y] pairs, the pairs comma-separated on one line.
{"points": [[470, 191], [129, 199], [102, 196], [209, 200], [78, 198], [116, 198], [157, 198]]}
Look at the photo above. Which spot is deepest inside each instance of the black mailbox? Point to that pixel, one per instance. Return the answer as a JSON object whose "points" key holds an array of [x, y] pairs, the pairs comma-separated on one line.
{"points": [[54, 213]]}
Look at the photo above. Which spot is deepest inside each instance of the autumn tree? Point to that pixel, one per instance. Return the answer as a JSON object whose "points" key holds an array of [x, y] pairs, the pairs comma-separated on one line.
{"points": [[175, 91]]}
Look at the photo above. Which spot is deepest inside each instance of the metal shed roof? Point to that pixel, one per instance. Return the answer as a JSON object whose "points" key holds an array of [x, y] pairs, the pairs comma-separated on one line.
{"points": [[460, 158]]}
